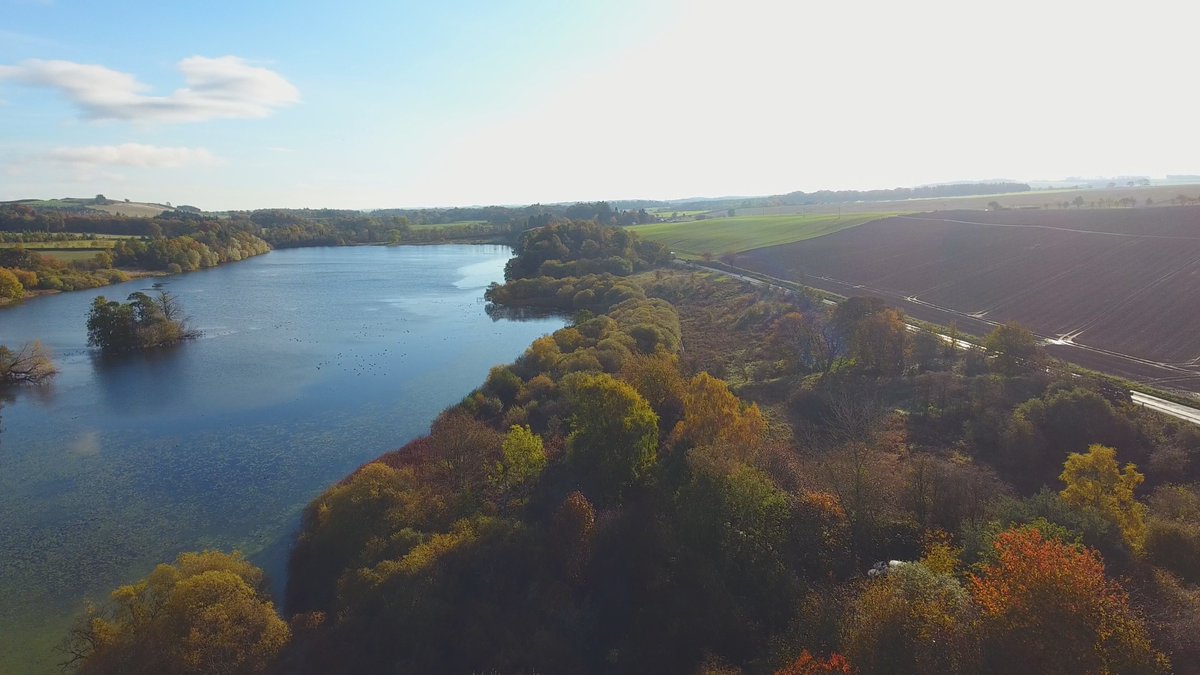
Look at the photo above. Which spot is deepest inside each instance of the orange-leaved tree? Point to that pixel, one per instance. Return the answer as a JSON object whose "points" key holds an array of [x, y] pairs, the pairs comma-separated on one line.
{"points": [[808, 664], [1046, 607]]}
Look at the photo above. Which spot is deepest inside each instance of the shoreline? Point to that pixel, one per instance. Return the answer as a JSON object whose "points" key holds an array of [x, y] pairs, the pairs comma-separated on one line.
{"points": [[44, 292]]}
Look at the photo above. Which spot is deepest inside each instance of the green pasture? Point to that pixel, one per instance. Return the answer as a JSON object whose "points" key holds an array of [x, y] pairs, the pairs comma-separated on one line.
{"points": [[98, 244], [70, 255], [743, 233], [66, 251]]}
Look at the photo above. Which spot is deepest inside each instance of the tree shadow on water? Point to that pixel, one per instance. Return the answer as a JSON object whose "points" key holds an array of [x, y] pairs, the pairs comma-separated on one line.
{"points": [[139, 382]]}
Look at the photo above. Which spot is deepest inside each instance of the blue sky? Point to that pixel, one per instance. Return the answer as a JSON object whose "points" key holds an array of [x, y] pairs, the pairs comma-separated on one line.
{"points": [[375, 104]]}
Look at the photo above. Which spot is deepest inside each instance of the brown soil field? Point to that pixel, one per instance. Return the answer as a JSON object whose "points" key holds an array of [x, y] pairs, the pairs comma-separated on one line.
{"points": [[1113, 289]]}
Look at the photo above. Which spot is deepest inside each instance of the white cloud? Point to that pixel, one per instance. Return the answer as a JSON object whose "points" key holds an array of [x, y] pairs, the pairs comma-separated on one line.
{"points": [[223, 87], [132, 154]]}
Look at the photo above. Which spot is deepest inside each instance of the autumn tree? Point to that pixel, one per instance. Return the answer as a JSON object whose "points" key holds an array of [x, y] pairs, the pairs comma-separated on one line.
{"points": [[572, 531], [371, 506], [808, 664], [10, 286], [614, 433], [206, 613], [803, 342], [1013, 350], [30, 364], [713, 415], [876, 335], [1094, 482], [656, 377], [912, 620], [879, 342], [1046, 607]]}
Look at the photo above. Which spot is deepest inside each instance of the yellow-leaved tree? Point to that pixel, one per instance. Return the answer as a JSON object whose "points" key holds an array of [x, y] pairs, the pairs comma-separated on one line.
{"points": [[1095, 482], [206, 613], [712, 415]]}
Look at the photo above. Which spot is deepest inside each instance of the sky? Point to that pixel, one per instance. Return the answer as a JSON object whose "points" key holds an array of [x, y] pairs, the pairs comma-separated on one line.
{"points": [[235, 105]]}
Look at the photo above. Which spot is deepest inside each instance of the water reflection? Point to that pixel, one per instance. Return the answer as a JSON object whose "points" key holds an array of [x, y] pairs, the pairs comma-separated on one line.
{"points": [[505, 313], [141, 381]]}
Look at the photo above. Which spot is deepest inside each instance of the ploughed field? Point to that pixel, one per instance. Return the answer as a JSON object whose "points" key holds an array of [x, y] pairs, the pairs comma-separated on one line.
{"points": [[1113, 289]]}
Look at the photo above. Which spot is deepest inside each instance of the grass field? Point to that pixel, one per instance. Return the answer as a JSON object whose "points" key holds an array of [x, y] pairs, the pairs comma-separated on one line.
{"points": [[69, 255], [106, 242], [66, 251], [744, 233]]}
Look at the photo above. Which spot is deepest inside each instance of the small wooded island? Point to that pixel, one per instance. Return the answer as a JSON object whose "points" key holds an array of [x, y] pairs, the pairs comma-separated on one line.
{"points": [[142, 322]]}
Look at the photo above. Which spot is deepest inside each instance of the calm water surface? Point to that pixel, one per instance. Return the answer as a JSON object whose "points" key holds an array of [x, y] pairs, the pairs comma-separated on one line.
{"points": [[312, 362]]}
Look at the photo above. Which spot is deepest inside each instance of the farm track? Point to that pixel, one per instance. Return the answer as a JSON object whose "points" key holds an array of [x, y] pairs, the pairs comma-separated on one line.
{"points": [[1116, 290]]}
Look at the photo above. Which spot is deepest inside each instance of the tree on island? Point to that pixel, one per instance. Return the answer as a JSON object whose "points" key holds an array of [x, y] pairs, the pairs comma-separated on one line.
{"points": [[142, 322]]}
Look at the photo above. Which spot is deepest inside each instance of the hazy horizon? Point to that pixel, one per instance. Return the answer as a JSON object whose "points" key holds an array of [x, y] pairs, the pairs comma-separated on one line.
{"points": [[386, 105]]}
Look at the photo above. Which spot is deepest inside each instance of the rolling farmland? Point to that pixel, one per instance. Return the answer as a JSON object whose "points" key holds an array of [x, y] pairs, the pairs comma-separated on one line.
{"points": [[1113, 289], [743, 233]]}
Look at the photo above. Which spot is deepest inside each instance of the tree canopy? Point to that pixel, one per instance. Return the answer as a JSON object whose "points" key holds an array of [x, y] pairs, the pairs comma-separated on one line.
{"points": [[143, 322], [205, 613]]}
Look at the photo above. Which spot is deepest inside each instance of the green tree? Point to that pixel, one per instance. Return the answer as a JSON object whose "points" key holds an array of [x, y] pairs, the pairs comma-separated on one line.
{"points": [[1013, 350], [523, 459], [614, 433], [140, 323], [110, 325], [206, 613]]}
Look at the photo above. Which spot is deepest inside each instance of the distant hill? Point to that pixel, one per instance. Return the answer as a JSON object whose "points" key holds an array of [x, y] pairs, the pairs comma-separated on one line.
{"points": [[800, 198], [96, 204]]}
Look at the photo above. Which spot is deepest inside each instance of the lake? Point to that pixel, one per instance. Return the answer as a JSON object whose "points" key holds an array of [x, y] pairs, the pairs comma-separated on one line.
{"points": [[312, 362]]}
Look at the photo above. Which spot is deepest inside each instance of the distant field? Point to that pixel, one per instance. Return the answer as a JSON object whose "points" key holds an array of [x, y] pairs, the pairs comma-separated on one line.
{"points": [[1160, 195], [1115, 289], [94, 244], [136, 209], [745, 233], [669, 213], [70, 255], [66, 251], [434, 226]]}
